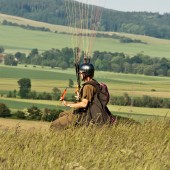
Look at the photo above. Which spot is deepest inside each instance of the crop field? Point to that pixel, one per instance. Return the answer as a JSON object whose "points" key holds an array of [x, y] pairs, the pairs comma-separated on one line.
{"points": [[138, 113], [20, 104], [15, 39], [45, 79]]}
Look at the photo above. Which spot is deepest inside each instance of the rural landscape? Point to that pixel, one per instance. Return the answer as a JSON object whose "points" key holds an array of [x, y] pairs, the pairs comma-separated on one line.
{"points": [[38, 54]]}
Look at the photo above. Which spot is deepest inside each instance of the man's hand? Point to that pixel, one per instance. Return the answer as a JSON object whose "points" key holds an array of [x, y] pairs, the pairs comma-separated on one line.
{"points": [[64, 103], [77, 96]]}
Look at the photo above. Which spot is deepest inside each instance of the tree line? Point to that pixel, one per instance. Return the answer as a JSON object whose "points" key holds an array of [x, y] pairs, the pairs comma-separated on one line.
{"points": [[31, 113], [54, 12], [103, 61], [144, 101], [25, 91], [29, 27], [34, 113]]}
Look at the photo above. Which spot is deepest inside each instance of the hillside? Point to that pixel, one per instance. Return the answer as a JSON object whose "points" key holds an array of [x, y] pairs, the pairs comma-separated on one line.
{"points": [[24, 21], [15, 39], [118, 147], [55, 11]]}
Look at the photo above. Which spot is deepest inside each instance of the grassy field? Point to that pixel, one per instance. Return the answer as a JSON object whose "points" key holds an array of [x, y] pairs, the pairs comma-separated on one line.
{"points": [[31, 145], [137, 113], [45, 79], [17, 39], [121, 147], [24, 21]]}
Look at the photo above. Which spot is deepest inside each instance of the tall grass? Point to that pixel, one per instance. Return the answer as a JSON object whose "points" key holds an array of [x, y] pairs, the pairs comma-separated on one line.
{"points": [[121, 147]]}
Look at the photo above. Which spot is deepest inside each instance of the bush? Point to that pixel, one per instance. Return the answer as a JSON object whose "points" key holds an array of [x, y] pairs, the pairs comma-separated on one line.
{"points": [[20, 115], [50, 115], [33, 113], [12, 94], [44, 96], [4, 110], [121, 100]]}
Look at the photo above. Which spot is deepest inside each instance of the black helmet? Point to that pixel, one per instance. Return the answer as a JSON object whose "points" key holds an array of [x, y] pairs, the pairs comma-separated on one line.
{"points": [[87, 68]]}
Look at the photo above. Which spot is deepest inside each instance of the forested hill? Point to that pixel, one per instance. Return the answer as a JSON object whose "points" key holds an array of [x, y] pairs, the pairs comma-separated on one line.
{"points": [[54, 11]]}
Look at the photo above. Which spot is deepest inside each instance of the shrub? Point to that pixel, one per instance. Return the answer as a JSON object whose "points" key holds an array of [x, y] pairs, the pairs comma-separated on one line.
{"points": [[50, 114], [4, 110], [34, 113], [44, 96], [20, 114]]}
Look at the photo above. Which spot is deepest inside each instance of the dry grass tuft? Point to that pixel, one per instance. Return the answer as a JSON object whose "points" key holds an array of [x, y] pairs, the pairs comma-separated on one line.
{"points": [[145, 146]]}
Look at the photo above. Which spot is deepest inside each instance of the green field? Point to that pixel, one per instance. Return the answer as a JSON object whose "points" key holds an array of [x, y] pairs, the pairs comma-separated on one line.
{"points": [[137, 113], [45, 79], [26, 145], [15, 39]]}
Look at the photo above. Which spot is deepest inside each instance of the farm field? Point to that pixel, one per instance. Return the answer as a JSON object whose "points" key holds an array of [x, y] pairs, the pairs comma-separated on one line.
{"points": [[138, 113], [45, 79], [29, 144], [15, 39]]}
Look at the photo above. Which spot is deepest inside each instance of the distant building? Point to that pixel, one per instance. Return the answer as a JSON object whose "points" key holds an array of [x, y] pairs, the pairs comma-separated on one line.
{"points": [[2, 58]]}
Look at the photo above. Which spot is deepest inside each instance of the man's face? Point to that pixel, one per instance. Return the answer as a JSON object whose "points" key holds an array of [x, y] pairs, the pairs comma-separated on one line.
{"points": [[81, 75]]}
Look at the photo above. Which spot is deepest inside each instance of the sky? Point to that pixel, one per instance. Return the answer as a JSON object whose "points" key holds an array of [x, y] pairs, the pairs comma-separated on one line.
{"points": [[161, 6]]}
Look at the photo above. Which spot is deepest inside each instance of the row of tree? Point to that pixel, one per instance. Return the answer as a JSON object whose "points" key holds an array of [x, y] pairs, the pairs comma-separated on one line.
{"points": [[32, 113], [126, 100], [105, 61], [144, 101], [29, 27], [25, 91], [138, 64], [54, 11]]}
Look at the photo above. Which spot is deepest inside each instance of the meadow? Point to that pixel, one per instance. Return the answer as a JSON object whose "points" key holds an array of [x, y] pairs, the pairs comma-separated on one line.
{"points": [[15, 39], [32, 145], [45, 79], [122, 147]]}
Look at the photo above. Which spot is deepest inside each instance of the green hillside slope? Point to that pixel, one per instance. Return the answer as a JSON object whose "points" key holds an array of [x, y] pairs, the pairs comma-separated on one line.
{"points": [[58, 11], [15, 39]]}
